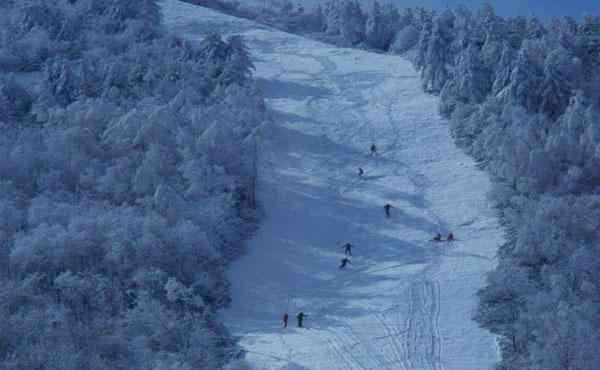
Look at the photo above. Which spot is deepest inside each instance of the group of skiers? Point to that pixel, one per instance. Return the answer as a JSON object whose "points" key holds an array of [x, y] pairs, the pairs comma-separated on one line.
{"points": [[438, 238], [348, 246], [387, 208]]}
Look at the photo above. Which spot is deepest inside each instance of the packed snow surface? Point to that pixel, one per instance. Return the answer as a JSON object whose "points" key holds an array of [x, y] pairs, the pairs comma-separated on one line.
{"points": [[404, 302]]}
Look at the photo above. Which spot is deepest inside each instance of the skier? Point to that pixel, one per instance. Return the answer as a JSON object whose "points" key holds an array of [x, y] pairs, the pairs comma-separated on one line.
{"points": [[387, 208], [450, 237], [285, 319], [300, 318], [348, 249], [437, 237], [345, 261], [360, 172], [373, 149]]}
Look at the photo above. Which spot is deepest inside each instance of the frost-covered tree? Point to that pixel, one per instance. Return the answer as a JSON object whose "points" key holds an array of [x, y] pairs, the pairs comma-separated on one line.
{"points": [[527, 75], [493, 30], [587, 45], [425, 22], [333, 17], [534, 29], [216, 52], [375, 27], [239, 66], [345, 21], [503, 70], [15, 101], [561, 72], [469, 82], [381, 26], [463, 25], [316, 21], [435, 71], [353, 22], [405, 40]]}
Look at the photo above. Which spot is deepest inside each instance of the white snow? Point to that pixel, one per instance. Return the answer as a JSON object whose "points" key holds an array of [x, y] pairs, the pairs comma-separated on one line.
{"points": [[405, 302]]}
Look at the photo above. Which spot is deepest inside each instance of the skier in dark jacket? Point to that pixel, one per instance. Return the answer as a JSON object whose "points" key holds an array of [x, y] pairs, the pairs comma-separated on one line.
{"points": [[450, 237], [387, 208], [360, 172], [300, 318], [348, 249], [373, 149], [437, 237], [345, 261], [285, 319]]}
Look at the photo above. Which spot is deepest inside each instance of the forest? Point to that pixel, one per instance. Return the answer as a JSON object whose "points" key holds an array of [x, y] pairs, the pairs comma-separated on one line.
{"points": [[523, 98], [128, 178]]}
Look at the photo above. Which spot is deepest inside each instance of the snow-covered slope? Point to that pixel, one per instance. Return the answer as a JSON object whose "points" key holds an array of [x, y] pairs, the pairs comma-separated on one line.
{"points": [[404, 302]]}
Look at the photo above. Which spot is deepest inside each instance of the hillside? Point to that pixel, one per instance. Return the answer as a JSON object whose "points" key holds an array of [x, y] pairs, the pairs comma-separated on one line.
{"points": [[404, 302]]}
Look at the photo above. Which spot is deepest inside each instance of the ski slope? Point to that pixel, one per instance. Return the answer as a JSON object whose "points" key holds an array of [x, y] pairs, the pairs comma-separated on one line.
{"points": [[405, 302]]}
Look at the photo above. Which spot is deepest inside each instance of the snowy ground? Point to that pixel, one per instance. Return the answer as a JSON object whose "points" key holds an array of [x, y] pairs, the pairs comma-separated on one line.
{"points": [[405, 302]]}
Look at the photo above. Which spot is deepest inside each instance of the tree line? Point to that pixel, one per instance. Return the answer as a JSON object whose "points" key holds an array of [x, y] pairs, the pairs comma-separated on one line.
{"points": [[127, 185]]}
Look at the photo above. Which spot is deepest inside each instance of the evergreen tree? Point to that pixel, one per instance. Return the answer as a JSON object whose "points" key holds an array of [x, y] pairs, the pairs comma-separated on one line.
{"points": [[352, 22], [435, 72], [561, 72], [239, 66], [425, 22], [527, 75], [375, 27], [382, 24]]}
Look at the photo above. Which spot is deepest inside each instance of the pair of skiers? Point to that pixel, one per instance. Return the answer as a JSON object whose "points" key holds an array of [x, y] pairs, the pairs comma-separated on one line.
{"points": [[373, 152], [300, 317], [438, 237]]}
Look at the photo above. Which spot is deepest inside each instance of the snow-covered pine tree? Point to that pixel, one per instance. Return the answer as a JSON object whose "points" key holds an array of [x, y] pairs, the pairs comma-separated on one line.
{"points": [[352, 22], [561, 73], [381, 26], [527, 75], [239, 66], [435, 71]]}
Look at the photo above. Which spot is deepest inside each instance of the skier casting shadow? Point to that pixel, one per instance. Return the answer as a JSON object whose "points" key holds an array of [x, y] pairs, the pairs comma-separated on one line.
{"points": [[344, 262], [373, 149], [347, 249], [300, 318], [387, 208]]}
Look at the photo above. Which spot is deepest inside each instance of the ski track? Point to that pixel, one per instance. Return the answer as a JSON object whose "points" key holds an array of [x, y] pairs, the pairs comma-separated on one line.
{"points": [[404, 303]]}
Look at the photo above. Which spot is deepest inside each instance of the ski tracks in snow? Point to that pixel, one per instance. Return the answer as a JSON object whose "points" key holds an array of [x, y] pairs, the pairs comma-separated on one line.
{"points": [[404, 303]]}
